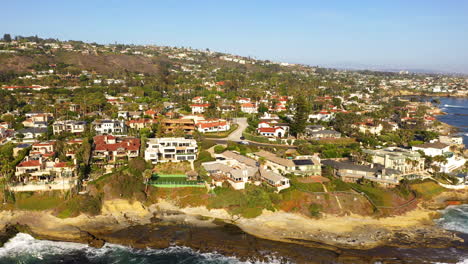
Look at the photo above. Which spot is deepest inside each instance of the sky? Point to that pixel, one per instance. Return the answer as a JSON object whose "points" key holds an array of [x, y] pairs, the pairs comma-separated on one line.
{"points": [[374, 34]]}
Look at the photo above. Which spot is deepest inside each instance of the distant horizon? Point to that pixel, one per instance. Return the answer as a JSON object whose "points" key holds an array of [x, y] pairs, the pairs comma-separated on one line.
{"points": [[428, 35]]}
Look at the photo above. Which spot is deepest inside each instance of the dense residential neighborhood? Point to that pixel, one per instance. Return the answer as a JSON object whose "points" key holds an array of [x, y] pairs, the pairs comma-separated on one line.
{"points": [[203, 120]]}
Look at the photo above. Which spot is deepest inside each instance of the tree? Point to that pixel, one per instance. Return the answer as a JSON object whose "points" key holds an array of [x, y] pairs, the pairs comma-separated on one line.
{"points": [[301, 115], [7, 37], [147, 174], [262, 108]]}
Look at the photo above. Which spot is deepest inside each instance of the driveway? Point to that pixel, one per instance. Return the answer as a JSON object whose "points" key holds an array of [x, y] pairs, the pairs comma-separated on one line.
{"points": [[242, 125]]}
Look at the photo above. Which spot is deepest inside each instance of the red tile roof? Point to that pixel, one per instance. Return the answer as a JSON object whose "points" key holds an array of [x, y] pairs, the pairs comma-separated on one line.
{"points": [[30, 163], [62, 165], [199, 105], [268, 129]]}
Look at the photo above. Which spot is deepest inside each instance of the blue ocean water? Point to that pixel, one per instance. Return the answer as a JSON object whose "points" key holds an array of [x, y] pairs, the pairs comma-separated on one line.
{"points": [[25, 249], [457, 114]]}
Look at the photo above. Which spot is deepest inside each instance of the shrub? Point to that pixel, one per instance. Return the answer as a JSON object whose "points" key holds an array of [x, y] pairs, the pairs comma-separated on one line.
{"points": [[77, 205], [206, 144], [315, 209], [219, 149]]}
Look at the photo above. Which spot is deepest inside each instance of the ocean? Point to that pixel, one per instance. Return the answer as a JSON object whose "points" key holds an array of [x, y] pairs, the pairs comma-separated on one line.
{"points": [[457, 114], [25, 249]]}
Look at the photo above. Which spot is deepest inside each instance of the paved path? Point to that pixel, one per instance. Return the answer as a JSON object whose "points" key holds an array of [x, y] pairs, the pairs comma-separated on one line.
{"points": [[237, 134]]}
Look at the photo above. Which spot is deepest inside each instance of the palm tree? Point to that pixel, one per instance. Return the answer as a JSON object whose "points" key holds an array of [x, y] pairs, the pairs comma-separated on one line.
{"points": [[147, 174]]}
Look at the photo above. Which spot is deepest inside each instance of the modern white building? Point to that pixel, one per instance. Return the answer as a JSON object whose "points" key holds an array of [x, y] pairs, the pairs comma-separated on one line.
{"points": [[174, 149], [432, 149], [109, 127]]}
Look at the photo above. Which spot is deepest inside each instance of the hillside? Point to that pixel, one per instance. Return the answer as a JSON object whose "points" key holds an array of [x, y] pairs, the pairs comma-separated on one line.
{"points": [[102, 63]]}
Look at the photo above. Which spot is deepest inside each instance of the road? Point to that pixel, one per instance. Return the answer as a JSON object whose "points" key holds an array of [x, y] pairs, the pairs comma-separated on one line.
{"points": [[237, 134]]}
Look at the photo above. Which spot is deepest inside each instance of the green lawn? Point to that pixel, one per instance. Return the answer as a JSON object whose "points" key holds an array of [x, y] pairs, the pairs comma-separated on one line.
{"points": [[379, 196], [37, 202], [173, 181], [427, 189], [307, 187]]}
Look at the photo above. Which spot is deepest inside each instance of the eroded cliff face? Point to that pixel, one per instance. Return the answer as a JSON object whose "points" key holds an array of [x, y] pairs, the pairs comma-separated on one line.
{"points": [[120, 218]]}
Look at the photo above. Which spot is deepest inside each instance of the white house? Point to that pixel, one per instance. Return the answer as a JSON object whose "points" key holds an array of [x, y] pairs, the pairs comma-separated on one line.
{"points": [[322, 116], [243, 100], [453, 162], [109, 126], [249, 108], [212, 125], [432, 149], [199, 108], [271, 131], [171, 149]]}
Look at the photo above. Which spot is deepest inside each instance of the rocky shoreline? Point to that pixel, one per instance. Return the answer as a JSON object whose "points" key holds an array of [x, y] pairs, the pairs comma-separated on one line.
{"points": [[163, 225]]}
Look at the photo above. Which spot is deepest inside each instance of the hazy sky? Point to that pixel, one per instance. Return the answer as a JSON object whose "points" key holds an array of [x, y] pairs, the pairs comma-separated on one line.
{"points": [[428, 34]]}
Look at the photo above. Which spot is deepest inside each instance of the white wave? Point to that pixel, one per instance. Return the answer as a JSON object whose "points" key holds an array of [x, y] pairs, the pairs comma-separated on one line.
{"points": [[454, 106], [24, 245], [455, 218]]}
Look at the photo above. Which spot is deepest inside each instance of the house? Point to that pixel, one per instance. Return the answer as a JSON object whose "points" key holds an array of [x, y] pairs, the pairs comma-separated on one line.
{"points": [[104, 126], [38, 174], [198, 100], [172, 125], [432, 149], [274, 179], [232, 171], [451, 140], [69, 126], [141, 123], [400, 159], [452, 163], [249, 108], [39, 171], [324, 134], [240, 158], [171, 149], [238, 177], [32, 133], [276, 132], [40, 116], [43, 147], [243, 100], [199, 108], [323, 115], [37, 119], [313, 128], [351, 172], [111, 149], [123, 115], [151, 113], [213, 125], [303, 166], [368, 128], [226, 108]]}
